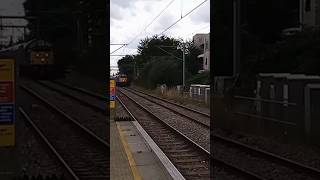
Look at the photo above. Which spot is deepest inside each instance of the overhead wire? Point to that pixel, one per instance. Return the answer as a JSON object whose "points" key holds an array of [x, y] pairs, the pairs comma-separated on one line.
{"points": [[166, 7], [183, 16], [151, 22], [167, 27]]}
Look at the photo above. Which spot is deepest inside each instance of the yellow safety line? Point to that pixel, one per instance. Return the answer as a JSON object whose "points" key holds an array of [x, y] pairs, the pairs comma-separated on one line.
{"points": [[132, 163]]}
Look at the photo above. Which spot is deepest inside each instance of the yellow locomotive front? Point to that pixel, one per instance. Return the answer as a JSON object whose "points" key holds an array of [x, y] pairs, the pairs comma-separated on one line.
{"points": [[41, 57]]}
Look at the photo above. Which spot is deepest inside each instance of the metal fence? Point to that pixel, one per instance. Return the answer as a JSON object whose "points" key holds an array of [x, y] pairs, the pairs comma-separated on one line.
{"points": [[200, 93], [266, 116], [283, 105]]}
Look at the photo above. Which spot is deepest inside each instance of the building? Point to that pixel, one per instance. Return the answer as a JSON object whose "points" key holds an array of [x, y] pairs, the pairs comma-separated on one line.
{"points": [[202, 41]]}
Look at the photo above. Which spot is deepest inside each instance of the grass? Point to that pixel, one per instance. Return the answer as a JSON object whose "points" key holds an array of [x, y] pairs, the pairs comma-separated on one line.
{"points": [[174, 95]]}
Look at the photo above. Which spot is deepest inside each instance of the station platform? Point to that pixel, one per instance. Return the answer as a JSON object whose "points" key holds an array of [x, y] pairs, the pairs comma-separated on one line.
{"points": [[133, 157]]}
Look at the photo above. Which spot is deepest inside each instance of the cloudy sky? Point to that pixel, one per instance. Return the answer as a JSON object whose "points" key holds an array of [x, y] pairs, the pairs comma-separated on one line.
{"points": [[11, 8], [130, 17]]}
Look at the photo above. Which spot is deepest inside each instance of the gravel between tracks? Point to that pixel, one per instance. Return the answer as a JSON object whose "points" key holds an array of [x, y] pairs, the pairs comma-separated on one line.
{"points": [[83, 154], [256, 164], [222, 174], [93, 120], [195, 105], [300, 153], [199, 117], [34, 157], [194, 131], [92, 84]]}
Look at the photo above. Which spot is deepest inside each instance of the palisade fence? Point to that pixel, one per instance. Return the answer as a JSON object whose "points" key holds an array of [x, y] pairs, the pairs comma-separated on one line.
{"points": [[196, 92], [200, 92], [284, 105]]}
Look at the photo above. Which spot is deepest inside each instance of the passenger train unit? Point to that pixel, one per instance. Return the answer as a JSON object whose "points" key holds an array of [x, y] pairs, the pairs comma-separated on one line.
{"points": [[34, 59]]}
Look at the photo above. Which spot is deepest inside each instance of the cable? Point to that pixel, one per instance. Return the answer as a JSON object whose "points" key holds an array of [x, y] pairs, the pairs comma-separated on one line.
{"points": [[183, 17], [117, 49], [181, 7], [151, 22], [169, 53], [159, 14], [116, 44], [146, 26]]}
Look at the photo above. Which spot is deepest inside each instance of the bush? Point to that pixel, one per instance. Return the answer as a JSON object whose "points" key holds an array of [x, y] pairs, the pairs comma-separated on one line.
{"points": [[162, 70], [203, 78]]}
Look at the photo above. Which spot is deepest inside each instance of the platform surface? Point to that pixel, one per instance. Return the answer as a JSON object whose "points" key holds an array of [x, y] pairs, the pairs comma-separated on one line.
{"points": [[145, 160], [119, 164]]}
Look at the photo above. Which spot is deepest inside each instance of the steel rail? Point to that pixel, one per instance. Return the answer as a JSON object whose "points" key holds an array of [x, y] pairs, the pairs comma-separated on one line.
{"points": [[174, 111], [172, 169], [172, 129], [47, 142], [297, 166], [201, 149], [238, 170], [66, 116], [218, 161], [185, 107], [98, 96], [97, 108]]}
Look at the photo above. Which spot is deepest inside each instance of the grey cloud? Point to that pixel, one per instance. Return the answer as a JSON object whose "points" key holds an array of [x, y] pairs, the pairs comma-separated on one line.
{"points": [[202, 14], [147, 7], [128, 3], [164, 21], [115, 12], [123, 3]]}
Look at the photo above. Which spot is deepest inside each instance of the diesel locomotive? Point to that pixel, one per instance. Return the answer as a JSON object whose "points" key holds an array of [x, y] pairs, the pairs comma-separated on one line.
{"points": [[122, 80], [35, 59]]}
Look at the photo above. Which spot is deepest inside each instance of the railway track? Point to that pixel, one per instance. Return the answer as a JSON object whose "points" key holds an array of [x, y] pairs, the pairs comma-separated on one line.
{"points": [[190, 127], [191, 159], [269, 158], [83, 154], [84, 97], [194, 115], [220, 162], [85, 108], [263, 161]]}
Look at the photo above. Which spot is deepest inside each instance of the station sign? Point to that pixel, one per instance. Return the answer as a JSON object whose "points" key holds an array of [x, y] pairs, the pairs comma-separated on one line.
{"points": [[7, 70], [112, 93], [7, 135], [7, 114], [6, 92], [112, 104], [7, 102], [112, 83]]}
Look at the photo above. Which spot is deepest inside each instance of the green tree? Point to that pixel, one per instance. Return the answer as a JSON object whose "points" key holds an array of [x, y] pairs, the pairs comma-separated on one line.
{"points": [[161, 70], [126, 66], [193, 64], [149, 47], [296, 54]]}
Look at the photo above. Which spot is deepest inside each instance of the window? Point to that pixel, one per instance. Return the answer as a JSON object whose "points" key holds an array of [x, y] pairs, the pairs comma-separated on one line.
{"points": [[307, 6], [206, 62]]}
